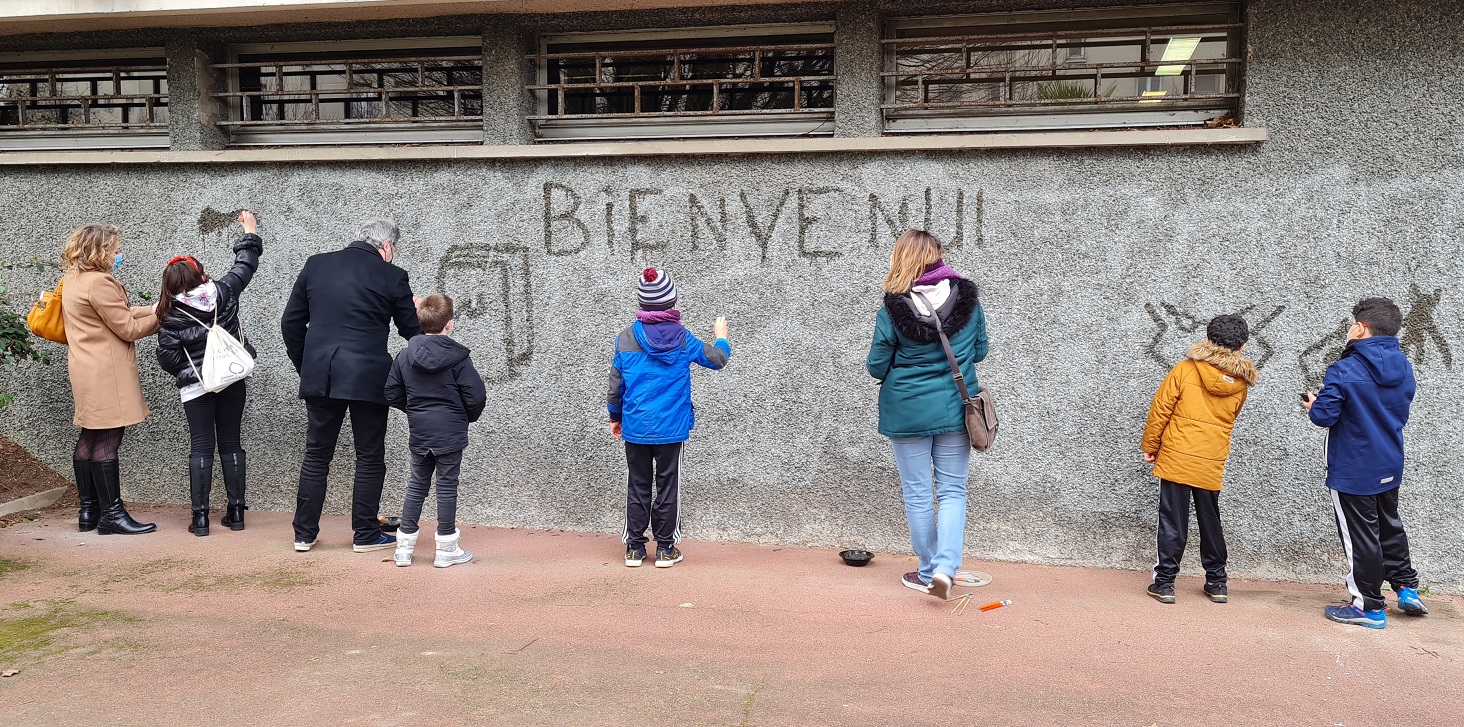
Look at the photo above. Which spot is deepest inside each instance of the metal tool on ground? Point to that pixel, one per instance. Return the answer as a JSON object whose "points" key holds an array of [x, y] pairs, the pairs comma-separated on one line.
{"points": [[961, 604]]}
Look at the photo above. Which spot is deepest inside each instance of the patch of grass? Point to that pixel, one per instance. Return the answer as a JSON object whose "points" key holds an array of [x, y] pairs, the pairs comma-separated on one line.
{"points": [[277, 580], [38, 633], [13, 565], [467, 677], [152, 571], [747, 705]]}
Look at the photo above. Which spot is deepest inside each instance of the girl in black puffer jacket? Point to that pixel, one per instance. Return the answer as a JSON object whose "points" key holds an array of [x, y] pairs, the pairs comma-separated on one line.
{"points": [[191, 302]]}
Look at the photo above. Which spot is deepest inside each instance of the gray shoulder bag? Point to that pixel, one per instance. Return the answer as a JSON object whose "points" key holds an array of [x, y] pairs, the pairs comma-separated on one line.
{"points": [[981, 423]]}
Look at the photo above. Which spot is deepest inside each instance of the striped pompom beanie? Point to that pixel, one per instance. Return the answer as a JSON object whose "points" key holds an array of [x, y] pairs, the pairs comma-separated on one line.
{"points": [[656, 291]]}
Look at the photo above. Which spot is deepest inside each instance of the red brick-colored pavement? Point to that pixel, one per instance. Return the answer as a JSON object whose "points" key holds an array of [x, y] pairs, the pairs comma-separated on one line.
{"points": [[551, 628]]}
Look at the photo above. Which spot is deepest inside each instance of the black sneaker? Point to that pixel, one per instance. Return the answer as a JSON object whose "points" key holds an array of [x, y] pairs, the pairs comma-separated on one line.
{"points": [[1163, 593], [912, 581], [634, 557], [1217, 592], [667, 557]]}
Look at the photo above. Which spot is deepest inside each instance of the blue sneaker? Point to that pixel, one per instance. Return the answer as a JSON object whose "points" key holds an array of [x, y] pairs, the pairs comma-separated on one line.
{"points": [[1410, 603], [634, 556], [1350, 614], [382, 542]]}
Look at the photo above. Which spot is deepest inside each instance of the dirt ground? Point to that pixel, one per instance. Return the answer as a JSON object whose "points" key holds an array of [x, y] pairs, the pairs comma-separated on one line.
{"points": [[21, 474], [550, 628]]}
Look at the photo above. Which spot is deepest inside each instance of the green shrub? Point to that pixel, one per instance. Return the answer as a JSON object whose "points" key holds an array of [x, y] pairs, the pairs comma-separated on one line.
{"points": [[16, 344]]}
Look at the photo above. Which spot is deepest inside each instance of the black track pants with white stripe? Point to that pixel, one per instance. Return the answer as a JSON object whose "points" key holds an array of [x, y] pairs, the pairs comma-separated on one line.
{"points": [[1375, 545], [658, 464]]}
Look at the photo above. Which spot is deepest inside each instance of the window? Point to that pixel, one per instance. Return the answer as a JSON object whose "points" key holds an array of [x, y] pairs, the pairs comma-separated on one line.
{"points": [[741, 81], [98, 100], [400, 91], [1152, 66]]}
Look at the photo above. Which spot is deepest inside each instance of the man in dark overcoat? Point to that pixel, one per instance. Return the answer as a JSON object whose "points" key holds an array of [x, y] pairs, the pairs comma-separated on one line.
{"points": [[335, 328]]}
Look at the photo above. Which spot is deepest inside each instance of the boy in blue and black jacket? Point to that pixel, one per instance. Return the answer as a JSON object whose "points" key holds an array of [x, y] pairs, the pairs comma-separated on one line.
{"points": [[1364, 402], [650, 408]]}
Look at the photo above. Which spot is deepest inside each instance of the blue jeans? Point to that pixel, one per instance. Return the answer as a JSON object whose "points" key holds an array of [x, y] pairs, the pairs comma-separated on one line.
{"points": [[937, 540]]}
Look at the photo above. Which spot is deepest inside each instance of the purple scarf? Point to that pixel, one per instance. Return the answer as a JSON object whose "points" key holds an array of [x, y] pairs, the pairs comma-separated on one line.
{"points": [[658, 316], [936, 272]]}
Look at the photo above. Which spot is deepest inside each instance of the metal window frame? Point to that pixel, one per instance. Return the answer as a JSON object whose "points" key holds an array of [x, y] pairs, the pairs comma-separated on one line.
{"points": [[464, 129], [1094, 112], [678, 125], [80, 137]]}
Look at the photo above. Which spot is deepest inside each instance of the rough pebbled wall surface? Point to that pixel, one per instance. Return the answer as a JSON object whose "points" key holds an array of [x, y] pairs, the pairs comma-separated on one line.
{"points": [[1098, 268]]}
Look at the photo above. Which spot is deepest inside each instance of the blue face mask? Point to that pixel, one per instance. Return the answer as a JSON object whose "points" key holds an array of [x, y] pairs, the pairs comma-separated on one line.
{"points": [[117, 262]]}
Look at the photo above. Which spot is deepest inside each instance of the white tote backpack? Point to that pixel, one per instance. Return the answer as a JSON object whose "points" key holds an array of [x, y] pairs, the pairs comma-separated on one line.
{"points": [[225, 360]]}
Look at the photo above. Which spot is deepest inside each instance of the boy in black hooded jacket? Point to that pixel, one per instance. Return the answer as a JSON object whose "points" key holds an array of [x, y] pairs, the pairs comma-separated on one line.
{"points": [[434, 382]]}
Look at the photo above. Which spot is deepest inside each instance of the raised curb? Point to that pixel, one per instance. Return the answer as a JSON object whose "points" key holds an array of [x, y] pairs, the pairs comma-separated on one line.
{"points": [[32, 502]]}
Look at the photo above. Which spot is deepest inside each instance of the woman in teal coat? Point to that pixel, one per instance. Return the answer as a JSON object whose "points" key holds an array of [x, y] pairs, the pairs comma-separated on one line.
{"points": [[920, 407]]}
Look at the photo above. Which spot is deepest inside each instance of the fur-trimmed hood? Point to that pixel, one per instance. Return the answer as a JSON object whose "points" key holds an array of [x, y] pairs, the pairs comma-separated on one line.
{"points": [[1224, 361], [954, 316]]}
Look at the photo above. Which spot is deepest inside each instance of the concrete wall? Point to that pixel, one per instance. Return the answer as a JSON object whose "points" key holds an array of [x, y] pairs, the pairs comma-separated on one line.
{"points": [[1096, 266]]}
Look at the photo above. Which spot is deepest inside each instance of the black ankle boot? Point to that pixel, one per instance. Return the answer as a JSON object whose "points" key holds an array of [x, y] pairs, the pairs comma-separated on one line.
{"points": [[233, 466], [199, 525], [114, 519], [90, 510], [200, 486]]}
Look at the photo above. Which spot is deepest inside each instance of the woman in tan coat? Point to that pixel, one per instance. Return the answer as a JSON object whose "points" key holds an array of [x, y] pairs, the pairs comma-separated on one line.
{"points": [[100, 330]]}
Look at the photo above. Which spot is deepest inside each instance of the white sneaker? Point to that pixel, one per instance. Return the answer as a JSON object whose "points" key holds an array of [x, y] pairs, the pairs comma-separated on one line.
{"points": [[940, 586], [406, 544], [302, 546], [448, 552]]}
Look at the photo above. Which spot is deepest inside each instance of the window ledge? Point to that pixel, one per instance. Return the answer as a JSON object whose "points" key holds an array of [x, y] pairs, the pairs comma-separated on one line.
{"points": [[698, 147]]}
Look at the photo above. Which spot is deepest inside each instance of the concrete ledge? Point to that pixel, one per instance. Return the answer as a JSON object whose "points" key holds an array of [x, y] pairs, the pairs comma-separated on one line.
{"points": [[700, 147], [32, 502]]}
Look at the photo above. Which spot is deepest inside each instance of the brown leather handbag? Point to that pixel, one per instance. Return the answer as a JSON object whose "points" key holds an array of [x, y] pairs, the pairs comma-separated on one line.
{"points": [[981, 422]]}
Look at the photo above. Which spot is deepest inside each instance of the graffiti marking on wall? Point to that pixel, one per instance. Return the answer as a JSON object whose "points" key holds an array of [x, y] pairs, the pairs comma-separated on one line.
{"points": [[490, 288], [1183, 321], [1419, 328], [211, 220], [878, 214], [1315, 359], [652, 220]]}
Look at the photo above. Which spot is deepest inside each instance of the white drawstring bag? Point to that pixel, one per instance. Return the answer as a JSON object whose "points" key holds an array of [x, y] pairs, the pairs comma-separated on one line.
{"points": [[225, 360]]}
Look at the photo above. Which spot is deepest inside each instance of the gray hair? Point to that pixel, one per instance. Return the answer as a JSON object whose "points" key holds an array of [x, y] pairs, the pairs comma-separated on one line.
{"points": [[378, 231]]}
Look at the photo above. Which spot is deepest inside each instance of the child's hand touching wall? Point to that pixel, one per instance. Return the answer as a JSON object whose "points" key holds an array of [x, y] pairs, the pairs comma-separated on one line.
{"points": [[720, 327]]}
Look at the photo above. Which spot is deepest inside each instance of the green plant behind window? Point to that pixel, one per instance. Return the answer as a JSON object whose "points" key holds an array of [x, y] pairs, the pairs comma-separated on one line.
{"points": [[1048, 91]]}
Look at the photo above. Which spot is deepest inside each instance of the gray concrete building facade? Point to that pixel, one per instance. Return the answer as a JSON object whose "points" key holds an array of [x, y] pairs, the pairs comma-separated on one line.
{"points": [[1100, 255]]}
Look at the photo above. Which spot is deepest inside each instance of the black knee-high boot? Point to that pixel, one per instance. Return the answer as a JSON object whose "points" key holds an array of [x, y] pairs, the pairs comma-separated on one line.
{"points": [[114, 519], [200, 485], [86, 493], [233, 466]]}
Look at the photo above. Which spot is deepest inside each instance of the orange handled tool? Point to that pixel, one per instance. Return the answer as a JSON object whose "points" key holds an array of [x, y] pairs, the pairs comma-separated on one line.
{"points": [[995, 605]]}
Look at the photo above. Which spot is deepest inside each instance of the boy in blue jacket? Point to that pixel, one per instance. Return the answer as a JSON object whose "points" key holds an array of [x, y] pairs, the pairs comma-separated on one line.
{"points": [[650, 408], [1364, 402]]}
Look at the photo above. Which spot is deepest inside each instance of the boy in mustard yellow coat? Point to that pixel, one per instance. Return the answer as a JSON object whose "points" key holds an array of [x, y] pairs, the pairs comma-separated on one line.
{"points": [[1187, 438]]}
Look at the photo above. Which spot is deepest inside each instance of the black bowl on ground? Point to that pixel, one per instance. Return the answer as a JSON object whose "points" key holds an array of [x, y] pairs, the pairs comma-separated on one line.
{"points": [[856, 557]]}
